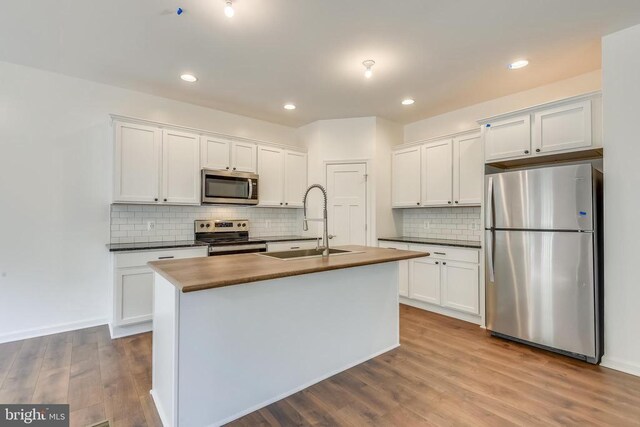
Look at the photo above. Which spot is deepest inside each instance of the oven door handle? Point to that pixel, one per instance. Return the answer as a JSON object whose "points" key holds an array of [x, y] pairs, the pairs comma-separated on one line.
{"points": [[250, 188], [229, 248]]}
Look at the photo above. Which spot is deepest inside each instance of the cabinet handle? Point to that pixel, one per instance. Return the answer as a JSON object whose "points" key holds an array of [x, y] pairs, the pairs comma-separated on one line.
{"points": [[156, 199], [287, 204], [444, 263], [439, 253], [294, 247], [418, 203], [537, 150], [437, 263], [234, 168], [227, 167], [456, 202], [526, 151], [165, 257], [165, 200], [280, 203], [449, 202]]}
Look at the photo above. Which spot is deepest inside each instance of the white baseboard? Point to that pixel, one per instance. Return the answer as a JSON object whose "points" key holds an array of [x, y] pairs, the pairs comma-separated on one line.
{"points": [[125, 331], [161, 413], [620, 365], [297, 389], [476, 319], [63, 327]]}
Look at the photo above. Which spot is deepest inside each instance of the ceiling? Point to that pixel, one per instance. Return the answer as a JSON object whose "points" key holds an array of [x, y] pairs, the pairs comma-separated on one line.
{"points": [[445, 54]]}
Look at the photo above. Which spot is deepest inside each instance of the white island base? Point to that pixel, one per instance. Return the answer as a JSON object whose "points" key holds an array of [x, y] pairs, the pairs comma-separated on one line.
{"points": [[221, 353]]}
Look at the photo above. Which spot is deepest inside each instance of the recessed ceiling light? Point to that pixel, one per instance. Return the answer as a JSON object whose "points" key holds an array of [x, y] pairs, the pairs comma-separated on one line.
{"points": [[518, 64], [407, 101], [368, 65], [228, 9], [289, 107], [189, 78]]}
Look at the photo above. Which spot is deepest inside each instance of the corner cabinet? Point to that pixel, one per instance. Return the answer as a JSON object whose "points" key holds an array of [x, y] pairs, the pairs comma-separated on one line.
{"points": [[446, 282], [445, 172], [155, 166], [283, 177], [565, 126]]}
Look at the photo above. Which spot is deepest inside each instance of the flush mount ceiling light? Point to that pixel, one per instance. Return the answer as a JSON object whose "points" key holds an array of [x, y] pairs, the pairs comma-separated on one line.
{"points": [[518, 64], [228, 9], [289, 107], [407, 101], [368, 65], [189, 78]]}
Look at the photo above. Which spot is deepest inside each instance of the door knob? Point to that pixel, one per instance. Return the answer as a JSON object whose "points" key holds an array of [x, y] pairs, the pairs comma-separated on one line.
{"points": [[331, 236]]}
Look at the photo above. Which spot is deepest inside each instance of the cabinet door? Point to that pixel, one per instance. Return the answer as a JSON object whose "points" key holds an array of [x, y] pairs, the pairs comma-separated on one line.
{"points": [[437, 181], [562, 128], [295, 178], [215, 153], [180, 168], [406, 177], [467, 170], [460, 286], [424, 280], [403, 266], [137, 163], [243, 157], [134, 294], [507, 138], [271, 172]]}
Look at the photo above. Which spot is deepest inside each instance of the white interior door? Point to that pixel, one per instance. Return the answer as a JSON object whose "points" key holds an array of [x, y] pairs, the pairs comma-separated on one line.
{"points": [[347, 204]]}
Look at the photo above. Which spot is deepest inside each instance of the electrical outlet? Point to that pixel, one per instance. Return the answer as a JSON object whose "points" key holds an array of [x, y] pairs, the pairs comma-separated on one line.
{"points": [[427, 225], [151, 225]]}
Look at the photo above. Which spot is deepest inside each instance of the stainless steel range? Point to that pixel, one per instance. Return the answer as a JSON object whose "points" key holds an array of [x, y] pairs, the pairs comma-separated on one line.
{"points": [[226, 237]]}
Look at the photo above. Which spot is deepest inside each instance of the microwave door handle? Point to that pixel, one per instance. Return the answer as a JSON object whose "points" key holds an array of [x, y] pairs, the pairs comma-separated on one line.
{"points": [[250, 188]]}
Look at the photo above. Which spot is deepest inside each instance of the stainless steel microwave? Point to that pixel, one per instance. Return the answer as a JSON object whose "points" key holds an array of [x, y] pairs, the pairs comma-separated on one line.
{"points": [[229, 188]]}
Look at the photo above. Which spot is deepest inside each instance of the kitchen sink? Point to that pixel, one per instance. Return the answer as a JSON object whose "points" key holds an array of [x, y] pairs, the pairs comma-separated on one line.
{"points": [[305, 253]]}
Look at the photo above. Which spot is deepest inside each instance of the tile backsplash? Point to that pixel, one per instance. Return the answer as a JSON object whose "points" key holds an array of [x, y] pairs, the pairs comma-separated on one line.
{"points": [[442, 223], [129, 222]]}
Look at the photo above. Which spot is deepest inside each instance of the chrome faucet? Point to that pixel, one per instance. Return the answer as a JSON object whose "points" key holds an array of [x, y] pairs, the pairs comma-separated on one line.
{"points": [[305, 221]]}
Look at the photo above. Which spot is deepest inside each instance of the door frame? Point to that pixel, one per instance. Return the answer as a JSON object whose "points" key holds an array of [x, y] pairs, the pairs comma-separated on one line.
{"points": [[370, 231]]}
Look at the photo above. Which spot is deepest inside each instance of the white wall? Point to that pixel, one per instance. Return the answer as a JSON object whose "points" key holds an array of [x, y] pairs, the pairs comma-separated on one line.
{"points": [[55, 186], [621, 96], [364, 138], [465, 118]]}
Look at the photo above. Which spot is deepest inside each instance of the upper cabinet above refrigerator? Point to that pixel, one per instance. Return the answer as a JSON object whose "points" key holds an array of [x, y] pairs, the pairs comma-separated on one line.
{"points": [[561, 127]]}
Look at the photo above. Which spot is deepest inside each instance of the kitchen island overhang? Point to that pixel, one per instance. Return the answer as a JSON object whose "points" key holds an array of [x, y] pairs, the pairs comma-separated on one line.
{"points": [[227, 350]]}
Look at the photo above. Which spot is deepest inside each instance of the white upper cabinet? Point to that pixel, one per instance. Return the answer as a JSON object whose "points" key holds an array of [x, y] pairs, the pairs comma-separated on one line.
{"points": [[215, 153], [283, 177], [507, 138], [180, 167], [271, 172], [220, 153], [295, 178], [437, 173], [406, 177], [562, 128], [137, 163], [468, 173], [243, 157]]}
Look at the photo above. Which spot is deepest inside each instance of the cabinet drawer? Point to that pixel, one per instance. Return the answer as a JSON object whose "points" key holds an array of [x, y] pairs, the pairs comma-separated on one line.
{"points": [[449, 253], [291, 245], [393, 245], [141, 258]]}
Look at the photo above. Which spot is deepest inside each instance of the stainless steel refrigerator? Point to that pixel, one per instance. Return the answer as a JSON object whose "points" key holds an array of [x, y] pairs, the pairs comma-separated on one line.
{"points": [[544, 272]]}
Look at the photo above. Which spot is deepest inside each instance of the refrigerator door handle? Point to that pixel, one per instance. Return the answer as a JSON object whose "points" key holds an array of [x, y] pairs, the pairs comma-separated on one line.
{"points": [[489, 210], [490, 266]]}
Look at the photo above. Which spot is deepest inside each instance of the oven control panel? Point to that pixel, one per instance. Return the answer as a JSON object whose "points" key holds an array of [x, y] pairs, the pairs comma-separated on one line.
{"points": [[221, 225]]}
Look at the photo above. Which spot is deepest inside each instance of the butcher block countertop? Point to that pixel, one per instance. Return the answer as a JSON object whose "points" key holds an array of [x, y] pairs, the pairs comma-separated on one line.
{"points": [[196, 274]]}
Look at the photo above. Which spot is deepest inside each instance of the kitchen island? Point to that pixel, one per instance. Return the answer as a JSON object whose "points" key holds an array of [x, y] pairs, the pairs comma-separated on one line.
{"points": [[234, 333]]}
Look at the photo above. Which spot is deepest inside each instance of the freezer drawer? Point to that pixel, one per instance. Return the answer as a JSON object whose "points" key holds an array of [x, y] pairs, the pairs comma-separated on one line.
{"points": [[553, 198], [540, 288]]}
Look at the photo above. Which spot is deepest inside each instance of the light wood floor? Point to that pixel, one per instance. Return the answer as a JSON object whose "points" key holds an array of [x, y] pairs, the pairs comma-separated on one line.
{"points": [[446, 372]]}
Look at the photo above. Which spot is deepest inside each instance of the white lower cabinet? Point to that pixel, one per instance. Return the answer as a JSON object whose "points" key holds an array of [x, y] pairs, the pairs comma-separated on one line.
{"points": [[292, 245], [447, 281], [133, 287]]}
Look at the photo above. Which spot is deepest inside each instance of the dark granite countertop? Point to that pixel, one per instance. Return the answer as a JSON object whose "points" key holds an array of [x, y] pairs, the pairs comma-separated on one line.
{"points": [[428, 241], [142, 246], [284, 238]]}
